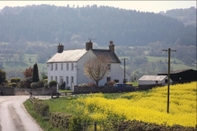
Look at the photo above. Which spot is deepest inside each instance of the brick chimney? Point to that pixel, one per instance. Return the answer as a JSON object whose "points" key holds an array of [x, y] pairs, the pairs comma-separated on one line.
{"points": [[111, 46], [88, 45], [60, 48]]}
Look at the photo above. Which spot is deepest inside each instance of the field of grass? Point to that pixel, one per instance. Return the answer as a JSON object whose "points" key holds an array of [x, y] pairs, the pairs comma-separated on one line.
{"points": [[17, 67], [178, 66], [147, 106]]}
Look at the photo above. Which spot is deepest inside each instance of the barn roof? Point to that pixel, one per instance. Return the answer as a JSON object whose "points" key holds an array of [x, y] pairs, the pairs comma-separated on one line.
{"points": [[177, 71], [68, 56], [153, 77]]}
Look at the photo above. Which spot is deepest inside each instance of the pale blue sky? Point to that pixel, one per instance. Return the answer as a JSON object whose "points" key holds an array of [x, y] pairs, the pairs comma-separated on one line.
{"points": [[149, 6]]}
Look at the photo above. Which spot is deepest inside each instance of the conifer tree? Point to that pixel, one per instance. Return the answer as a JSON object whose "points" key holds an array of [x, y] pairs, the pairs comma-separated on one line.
{"points": [[35, 73]]}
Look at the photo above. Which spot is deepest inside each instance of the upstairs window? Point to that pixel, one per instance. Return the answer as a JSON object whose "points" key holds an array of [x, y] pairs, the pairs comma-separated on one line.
{"points": [[72, 66], [67, 66], [109, 67], [56, 66], [61, 66], [51, 66]]}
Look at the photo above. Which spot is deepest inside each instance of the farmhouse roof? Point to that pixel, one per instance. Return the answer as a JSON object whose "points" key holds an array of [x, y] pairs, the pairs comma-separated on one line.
{"points": [[68, 56], [107, 53], [153, 77], [75, 55]]}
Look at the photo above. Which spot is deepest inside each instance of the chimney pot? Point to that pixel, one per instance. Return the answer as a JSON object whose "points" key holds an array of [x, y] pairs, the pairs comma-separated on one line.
{"points": [[60, 48], [89, 45], [111, 46]]}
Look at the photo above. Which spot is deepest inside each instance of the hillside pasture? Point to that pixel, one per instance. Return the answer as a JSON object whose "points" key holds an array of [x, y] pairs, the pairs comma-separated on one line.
{"points": [[175, 63], [14, 68]]}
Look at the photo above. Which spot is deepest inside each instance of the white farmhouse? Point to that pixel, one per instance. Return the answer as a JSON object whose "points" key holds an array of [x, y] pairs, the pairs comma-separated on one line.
{"points": [[68, 65], [153, 80]]}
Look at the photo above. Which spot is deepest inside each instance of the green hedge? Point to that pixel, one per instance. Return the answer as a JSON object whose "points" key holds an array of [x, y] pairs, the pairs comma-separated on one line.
{"points": [[52, 83], [13, 84], [34, 85], [15, 80], [58, 119], [41, 108], [135, 125]]}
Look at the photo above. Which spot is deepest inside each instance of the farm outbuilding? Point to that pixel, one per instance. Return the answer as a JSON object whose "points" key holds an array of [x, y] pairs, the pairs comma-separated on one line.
{"points": [[153, 80], [181, 76]]}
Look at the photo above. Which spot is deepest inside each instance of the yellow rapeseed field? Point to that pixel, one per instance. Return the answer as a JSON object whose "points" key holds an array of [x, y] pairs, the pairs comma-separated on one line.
{"points": [[148, 106]]}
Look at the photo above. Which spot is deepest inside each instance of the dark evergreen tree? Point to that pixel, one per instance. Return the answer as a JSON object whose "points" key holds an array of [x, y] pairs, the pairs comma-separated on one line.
{"points": [[2, 76], [35, 73]]}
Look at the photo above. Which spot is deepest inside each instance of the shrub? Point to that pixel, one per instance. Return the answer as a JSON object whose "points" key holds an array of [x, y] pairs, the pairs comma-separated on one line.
{"points": [[26, 82], [46, 85], [75, 124], [41, 108], [110, 83], [58, 119], [82, 85], [91, 84], [34, 85], [13, 84], [52, 83], [40, 84], [116, 81], [62, 86], [45, 81], [15, 80]]}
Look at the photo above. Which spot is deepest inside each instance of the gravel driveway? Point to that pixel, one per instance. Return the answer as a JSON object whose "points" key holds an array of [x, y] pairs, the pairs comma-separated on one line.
{"points": [[13, 115]]}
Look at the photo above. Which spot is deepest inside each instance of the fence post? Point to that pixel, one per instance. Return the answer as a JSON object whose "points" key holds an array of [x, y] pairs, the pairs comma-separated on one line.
{"points": [[84, 125], [95, 126]]}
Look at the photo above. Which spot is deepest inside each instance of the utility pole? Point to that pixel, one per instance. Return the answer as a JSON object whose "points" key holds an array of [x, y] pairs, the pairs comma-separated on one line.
{"points": [[124, 80], [168, 92]]}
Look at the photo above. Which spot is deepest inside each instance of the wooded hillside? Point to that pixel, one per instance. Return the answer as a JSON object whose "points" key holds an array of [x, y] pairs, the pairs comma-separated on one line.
{"points": [[62, 24]]}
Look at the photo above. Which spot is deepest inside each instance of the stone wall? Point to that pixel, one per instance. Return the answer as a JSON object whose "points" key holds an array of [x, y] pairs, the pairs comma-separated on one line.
{"points": [[26, 91], [147, 87], [7, 90], [103, 89]]}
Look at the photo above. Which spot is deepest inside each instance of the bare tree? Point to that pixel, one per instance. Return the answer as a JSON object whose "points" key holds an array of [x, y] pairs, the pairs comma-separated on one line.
{"points": [[97, 68]]}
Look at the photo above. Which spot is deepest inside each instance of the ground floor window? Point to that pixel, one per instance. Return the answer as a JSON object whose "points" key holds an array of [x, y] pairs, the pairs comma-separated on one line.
{"points": [[67, 80], [55, 78], [61, 79], [72, 79], [108, 79]]}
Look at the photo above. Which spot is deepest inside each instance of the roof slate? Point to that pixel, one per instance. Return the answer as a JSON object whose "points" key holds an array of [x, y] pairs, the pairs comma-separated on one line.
{"points": [[107, 53]]}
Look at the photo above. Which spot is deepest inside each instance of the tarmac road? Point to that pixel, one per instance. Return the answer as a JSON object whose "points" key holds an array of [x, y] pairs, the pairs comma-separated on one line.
{"points": [[13, 115]]}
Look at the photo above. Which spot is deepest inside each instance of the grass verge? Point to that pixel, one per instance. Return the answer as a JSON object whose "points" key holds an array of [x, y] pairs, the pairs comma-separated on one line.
{"points": [[45, 125]]}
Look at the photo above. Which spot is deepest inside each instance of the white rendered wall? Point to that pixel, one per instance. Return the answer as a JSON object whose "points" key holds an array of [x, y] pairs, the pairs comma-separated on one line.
{"points": [[62, 72], [81, 77]]}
